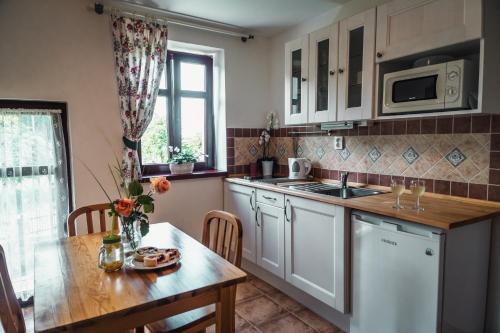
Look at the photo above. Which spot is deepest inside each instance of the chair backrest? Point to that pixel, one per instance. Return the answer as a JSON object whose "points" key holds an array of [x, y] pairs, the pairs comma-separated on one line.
{"points": [[11, 314], [87, 210], [227, 235]]}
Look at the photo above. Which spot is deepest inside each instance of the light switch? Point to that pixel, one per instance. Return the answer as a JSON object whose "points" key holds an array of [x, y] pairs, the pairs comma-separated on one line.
{"points": [[338, 142]]}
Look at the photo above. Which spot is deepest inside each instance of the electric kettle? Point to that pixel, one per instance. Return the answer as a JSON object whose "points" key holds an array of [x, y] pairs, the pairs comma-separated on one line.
{"points": [[299, 168]]}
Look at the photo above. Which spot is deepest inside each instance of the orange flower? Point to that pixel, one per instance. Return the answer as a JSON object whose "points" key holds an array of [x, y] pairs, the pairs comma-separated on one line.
{"points": [[124, 207], [160, 184]]}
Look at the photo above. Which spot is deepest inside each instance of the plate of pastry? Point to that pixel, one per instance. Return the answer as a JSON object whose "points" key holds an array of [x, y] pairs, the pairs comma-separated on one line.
{"points": [[150, 258]]}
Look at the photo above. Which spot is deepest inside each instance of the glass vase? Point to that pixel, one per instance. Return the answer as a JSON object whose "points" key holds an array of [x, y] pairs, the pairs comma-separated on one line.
{"points": [[130, 233]]}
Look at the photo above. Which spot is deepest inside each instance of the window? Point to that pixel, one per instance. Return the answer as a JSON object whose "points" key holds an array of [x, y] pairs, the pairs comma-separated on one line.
{"points": [[183, 115]]}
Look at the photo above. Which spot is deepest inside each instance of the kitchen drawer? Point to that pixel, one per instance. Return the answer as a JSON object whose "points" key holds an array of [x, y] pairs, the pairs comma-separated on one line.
{"points": [[271, 198]]}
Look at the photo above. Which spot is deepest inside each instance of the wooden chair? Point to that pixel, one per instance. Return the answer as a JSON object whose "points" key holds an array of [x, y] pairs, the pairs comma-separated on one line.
{"points": [[226, 242], [87, 210], [11, 314]]}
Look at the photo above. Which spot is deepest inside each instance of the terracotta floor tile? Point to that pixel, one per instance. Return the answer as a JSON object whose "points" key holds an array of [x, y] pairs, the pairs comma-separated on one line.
{"points": [[286, 302], [317, 322], [246, 291], [258, 310], [286, 324], [264, 286], [241, 325]]}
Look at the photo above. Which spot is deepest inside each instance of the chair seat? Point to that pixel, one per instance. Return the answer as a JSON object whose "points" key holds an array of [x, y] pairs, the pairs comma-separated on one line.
{"points": [[194, 320]]}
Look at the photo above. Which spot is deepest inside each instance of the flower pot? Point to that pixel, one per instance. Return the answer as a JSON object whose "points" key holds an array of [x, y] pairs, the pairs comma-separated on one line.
{"points": [[267, 168], [177, 169]]}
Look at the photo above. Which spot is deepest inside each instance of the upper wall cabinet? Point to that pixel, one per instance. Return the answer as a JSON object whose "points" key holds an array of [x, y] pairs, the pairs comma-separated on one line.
{"points": [[356, 66], [407, 27], [323, 62], [296, 81]]}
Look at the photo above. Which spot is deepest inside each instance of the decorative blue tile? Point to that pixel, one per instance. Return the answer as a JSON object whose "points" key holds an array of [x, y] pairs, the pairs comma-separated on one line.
{"points": [[253, 150], [281, 150], [345, 153], [410, 155], [374, 154], [455, 157], [300, 151], [320, 152]]}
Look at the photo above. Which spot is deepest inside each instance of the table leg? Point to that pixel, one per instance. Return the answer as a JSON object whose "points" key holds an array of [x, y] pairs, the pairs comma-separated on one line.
{"points": [[224, 312]]}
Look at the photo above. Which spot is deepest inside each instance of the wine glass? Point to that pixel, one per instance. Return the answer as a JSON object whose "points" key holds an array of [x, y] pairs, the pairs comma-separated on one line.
{"points": [[418, 189], [397, 187]]}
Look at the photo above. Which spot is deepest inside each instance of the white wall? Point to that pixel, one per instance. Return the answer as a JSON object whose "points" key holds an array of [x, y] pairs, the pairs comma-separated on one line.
{"points": [[61, 51]]}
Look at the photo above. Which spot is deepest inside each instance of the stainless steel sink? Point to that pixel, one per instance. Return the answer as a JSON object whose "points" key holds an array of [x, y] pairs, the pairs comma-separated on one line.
{"points": [[333, 190]]}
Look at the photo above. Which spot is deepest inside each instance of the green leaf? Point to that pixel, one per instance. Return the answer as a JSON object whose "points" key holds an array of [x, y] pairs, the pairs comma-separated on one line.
{"points": [[135, 188], [144, 228], [149, 208], [145, 199]]}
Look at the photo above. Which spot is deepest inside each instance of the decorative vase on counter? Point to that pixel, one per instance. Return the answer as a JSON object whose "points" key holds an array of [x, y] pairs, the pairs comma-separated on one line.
{"points": [[130, 231], [267, 168], [178, 169]]}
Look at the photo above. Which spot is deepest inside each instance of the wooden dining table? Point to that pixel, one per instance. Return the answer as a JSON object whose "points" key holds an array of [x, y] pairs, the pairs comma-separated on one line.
{"points": [[73, 294]]}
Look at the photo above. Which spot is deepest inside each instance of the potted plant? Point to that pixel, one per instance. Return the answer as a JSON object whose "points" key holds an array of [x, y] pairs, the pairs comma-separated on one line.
{"points": [[265, 142], [181, 161]]}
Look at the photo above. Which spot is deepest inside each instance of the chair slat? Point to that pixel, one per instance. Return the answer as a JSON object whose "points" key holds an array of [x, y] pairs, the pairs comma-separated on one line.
{"points": [[102, 219], [90, 223], [87, 210]]}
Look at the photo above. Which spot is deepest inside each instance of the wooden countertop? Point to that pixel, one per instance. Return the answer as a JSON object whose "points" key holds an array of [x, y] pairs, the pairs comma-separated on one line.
{"points": [[441, 211]]}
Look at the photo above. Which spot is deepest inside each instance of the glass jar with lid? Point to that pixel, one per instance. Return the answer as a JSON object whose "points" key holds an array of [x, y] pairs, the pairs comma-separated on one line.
{"points": [[111, 255]]}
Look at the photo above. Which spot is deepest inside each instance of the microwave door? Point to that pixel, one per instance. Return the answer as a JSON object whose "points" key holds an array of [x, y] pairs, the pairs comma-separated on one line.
{"points": [[414, 90]]}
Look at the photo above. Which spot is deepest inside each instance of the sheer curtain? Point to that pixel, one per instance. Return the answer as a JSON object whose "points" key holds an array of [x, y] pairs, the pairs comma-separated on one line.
{"points": [[34, 188]]}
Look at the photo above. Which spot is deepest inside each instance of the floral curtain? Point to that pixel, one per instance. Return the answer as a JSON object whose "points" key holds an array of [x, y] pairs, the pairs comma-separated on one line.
{"points": [[140, 49], [34, 188]]}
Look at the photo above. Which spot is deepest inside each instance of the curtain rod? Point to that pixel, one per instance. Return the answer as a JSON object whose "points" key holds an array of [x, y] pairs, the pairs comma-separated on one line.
{"points": [[99, 8]]}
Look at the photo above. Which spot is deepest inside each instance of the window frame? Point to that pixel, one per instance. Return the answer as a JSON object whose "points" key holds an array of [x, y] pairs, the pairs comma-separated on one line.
{"points": [[173, 93]]}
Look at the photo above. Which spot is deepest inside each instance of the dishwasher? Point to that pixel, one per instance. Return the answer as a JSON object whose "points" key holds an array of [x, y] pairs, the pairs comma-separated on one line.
{"points": [[396, 275]]}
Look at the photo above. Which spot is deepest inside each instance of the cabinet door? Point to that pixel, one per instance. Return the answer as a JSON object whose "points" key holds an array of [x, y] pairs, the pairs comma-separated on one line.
{"points": [[323, 62], [240, 200], [356, 66], [407, 27], [296, 73], [271, 239], [314, 238]]}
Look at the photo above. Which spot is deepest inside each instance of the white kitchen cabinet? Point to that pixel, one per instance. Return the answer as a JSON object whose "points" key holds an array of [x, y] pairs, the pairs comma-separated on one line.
{"points": [[315, 249], [356, 66], [323, 63], [241, 201], [296, 84], [406, 27], [271, 239]]}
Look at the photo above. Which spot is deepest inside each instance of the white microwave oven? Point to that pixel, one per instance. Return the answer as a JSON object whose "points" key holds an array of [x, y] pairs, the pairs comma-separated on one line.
{"points": [[439, 87]]}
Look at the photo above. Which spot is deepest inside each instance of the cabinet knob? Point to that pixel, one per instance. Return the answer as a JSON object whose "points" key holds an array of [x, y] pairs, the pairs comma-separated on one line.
{"points": [[341, 70], [304, 79], [332, 73], [379, 54]]}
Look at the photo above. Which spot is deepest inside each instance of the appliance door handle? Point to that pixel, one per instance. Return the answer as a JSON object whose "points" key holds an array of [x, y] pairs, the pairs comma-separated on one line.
{"points": [[257, 216], [287, 218], [269, 198], [251, 200]]}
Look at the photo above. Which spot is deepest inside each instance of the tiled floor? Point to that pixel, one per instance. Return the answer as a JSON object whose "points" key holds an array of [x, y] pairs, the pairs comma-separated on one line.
{"points": [[262, 308]]}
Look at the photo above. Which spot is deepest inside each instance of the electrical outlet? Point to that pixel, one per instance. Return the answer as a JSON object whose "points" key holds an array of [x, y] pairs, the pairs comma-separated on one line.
{"points": [[338, 142]]}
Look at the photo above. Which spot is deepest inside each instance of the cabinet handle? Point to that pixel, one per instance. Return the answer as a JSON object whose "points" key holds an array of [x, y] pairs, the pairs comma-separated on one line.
{"points": [[304, 79], [251, 200], [332, 72], [257, 216], [286, 210], [341, 71], [269, 198], [380, 54]]}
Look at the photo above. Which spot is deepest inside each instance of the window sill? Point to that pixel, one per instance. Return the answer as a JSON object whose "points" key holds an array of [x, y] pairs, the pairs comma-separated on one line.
{"points": [[194, 175]]}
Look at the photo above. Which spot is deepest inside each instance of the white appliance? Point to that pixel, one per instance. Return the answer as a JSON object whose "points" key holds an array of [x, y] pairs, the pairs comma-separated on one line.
{"points": [[396, 276], [298, 168], [440, 87]]}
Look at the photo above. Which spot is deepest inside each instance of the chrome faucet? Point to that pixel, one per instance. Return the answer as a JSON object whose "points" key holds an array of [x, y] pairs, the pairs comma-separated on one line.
{"points": [[343, 179]]}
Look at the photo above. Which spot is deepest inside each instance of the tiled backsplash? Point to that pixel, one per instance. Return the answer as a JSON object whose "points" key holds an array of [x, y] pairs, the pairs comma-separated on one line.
{"points": [[455, 155]]}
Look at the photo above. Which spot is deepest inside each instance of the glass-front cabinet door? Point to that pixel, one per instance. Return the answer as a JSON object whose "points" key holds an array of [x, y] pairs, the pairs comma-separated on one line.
{"points": [[323, 62], [296, 81], [356, 68]]}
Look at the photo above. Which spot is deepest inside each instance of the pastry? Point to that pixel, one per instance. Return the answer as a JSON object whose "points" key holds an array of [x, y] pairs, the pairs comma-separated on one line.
{"points": [[143, 251]]}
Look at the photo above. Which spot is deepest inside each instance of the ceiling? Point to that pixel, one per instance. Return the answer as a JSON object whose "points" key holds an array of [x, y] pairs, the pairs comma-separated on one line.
{"points": [[264, 17]]}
